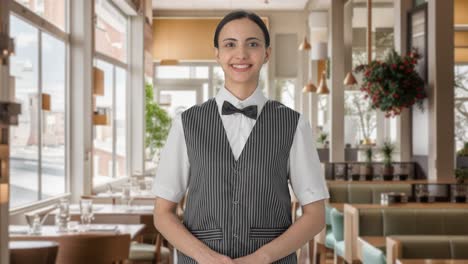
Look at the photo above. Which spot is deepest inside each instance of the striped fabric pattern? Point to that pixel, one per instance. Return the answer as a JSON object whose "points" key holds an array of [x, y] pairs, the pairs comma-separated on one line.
{"points": [[237, 206]]}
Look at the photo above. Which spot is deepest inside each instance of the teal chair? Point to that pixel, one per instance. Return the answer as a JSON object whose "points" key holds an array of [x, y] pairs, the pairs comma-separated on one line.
{"points": [[337, 224], [373, 255]]}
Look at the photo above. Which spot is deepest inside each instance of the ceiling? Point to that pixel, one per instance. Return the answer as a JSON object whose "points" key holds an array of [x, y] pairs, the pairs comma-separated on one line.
{"points": [[229, 4]]}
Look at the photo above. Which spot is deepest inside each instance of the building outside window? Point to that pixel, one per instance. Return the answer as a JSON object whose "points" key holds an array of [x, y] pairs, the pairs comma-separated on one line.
{"points": [[38, 149], [110, 140]]}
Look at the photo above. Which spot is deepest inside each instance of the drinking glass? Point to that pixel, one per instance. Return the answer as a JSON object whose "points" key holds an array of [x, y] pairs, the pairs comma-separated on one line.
{"points": [[63, 215], [86, 212]]}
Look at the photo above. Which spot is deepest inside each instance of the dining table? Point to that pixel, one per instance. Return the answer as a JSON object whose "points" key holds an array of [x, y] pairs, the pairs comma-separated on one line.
{"points": [[22, 232]]}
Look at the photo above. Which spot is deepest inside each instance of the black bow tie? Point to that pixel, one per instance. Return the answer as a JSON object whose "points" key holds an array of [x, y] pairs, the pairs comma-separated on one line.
{"points": [[249, 111]]}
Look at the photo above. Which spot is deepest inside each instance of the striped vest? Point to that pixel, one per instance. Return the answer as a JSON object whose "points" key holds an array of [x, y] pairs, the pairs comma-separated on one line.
{"points": [[237, 206]]}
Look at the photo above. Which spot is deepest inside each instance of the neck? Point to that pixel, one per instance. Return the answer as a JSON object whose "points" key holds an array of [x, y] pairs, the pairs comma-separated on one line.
{"points": [[241, 91]]}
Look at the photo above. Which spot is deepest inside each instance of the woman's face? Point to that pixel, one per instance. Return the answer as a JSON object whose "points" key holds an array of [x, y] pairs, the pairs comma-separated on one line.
{"points": [[241, 51]]}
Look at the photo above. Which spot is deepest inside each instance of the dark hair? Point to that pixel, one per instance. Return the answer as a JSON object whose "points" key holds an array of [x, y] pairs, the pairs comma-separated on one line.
{"points": [[238, 14]]}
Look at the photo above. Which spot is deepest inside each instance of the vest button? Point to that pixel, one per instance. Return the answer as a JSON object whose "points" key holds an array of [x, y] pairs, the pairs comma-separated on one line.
{"points": [[235, 202], [235, 235]]}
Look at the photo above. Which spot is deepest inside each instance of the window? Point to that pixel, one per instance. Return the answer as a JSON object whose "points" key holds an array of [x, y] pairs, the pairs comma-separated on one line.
{"points": [[110, 151], [461, 105], [52, 10], [285, 92], [360, 118], [38, 143], [110, 31]]}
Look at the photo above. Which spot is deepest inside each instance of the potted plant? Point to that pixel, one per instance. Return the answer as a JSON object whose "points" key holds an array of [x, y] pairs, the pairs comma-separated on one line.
{"points": [[158, 123], [461, 174], [393, 84], [367, 169], [322, 139], [387, 150], [462, 156]]}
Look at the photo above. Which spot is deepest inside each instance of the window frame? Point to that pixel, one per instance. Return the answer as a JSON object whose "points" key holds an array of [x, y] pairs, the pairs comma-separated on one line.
{"points": [[42, 25], [114, 62]]}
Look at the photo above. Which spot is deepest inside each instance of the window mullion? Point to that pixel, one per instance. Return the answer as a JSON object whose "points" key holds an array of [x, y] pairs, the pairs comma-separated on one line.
{"points": [[39, 115], [114, 132]]}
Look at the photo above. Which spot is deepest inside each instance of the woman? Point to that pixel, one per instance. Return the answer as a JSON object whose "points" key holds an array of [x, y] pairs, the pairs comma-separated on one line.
{"points": [[235, 154]]}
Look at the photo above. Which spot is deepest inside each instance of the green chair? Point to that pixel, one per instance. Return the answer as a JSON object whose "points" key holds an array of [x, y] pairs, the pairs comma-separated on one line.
{"points": [[337, 223]]}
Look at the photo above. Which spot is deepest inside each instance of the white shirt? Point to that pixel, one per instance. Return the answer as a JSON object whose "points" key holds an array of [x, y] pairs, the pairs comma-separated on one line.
{"points": [[306, 176]]}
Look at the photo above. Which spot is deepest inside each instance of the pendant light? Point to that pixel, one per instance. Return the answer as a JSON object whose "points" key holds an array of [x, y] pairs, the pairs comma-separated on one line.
{"points": [[305, 45], [309, 88], [323, 88]]}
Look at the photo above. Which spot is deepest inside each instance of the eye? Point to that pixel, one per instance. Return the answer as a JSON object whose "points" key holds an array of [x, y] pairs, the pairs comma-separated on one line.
{"points": [[253, 44], [229, 44]]}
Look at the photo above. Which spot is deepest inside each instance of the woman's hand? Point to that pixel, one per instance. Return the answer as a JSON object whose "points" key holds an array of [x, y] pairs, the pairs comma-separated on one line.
{"points": [[255, 258], [213, 257]]}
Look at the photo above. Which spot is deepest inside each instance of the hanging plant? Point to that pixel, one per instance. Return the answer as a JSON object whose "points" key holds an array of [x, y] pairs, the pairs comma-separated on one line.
{"points": [[393, 84]]}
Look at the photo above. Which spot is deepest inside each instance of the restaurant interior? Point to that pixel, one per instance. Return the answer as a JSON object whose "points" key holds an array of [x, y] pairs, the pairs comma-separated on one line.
{"points": [[88, 90]]}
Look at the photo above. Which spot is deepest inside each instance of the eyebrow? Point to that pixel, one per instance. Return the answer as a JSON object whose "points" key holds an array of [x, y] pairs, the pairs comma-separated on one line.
{"points": [[233, 39]]}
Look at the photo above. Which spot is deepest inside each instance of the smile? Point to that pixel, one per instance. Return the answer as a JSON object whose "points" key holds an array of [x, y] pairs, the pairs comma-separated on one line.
{"points": [[241, 67]]}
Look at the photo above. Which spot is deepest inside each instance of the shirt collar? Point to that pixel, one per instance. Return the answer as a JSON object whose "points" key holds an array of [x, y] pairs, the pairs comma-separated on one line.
{"points": [[256, 98]]}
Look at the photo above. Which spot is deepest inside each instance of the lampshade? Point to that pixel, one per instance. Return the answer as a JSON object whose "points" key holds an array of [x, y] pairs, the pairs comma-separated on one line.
{"points": [[349, 79], [98, 79], [309, 88], [319, 51], [323, 88], [305, 45]]}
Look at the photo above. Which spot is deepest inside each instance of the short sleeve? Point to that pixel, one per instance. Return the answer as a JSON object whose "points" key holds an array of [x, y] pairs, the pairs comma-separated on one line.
{"points": [[172, 174], [306, 174]]}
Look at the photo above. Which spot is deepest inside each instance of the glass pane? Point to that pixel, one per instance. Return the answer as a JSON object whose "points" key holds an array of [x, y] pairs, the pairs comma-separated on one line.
{"points": [[461, 106], [218, 78], [120, 121], [110, 31], [285, 90], [201, 72], [173, 72], [24, 147], [52, 10], [360, 119], [53, 121], [103, 138], [175, 102]]}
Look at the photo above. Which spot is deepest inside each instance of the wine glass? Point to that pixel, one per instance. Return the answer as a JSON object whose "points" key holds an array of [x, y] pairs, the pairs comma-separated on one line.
{"points": [[86, 212]]}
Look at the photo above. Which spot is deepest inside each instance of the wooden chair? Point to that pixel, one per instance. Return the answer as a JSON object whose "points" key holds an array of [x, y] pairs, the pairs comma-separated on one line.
{"points": [[98, 248], [42, 252]]}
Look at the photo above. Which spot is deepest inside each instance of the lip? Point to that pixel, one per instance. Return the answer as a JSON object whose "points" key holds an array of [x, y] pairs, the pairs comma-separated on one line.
{"points": [[241, 69]]}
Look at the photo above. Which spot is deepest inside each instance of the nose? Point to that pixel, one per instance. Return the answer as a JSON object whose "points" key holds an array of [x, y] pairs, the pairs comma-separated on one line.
{"points": [[241, 52]]}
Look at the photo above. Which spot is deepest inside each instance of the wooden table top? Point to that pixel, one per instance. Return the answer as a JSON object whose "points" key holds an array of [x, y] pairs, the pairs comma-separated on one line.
{"points": [[442, 181], [110, 209], [411, 206], [17, 232], [19, 245], [432, 261]]}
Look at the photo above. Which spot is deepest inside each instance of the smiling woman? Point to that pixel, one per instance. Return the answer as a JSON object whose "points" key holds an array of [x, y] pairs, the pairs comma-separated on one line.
{"points": [[235, 155]]}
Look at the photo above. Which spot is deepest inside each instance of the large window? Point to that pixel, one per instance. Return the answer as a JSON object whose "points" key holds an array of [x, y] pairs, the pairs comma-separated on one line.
{"points": [[285, 92], [38, 143], [461, 105], [110, 149], [360, 119]]}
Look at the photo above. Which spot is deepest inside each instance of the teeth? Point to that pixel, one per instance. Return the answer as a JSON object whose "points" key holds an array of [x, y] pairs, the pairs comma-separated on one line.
{"points": [[241, 66]]}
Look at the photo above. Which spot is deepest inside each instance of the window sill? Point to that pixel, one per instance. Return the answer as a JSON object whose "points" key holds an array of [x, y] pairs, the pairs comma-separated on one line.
{"points": [[37, 204]]}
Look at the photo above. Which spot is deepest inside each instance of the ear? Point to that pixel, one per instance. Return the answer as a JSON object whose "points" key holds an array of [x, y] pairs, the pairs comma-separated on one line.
{"points": [[267, 55], [217, 54]]}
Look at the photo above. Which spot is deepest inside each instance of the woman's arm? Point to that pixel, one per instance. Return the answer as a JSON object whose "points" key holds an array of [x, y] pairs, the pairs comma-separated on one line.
{"points": [[303, 230], [169, 225]]}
